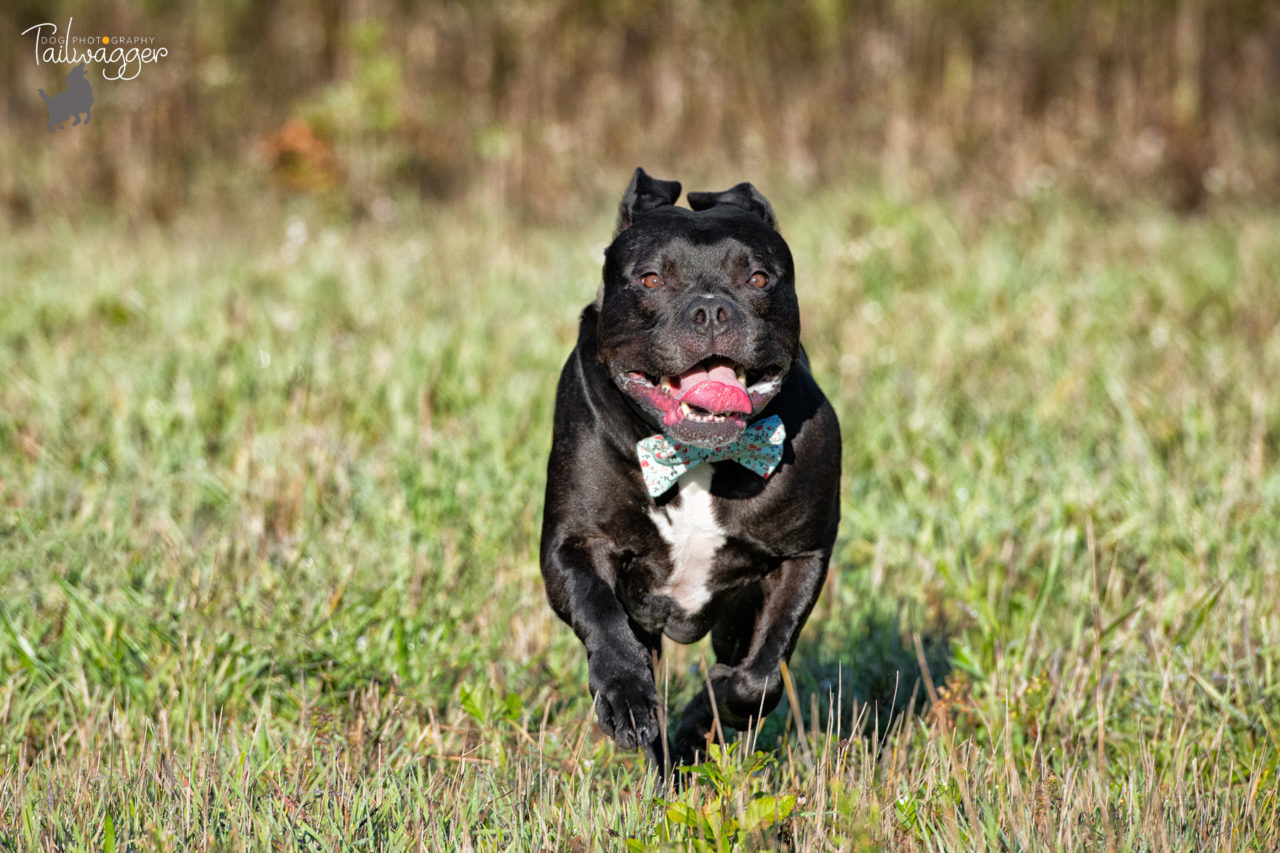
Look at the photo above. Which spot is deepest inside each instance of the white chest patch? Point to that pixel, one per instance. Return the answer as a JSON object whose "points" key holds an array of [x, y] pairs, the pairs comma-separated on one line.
{"points": [[694, 535]]}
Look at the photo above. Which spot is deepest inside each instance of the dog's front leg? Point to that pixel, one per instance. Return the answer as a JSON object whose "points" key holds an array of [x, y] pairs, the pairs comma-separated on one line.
{"points": [[751, 641], [620, 653]]}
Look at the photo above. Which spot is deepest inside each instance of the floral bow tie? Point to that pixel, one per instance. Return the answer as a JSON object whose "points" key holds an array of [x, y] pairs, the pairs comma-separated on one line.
{"points": [[663, 461]]}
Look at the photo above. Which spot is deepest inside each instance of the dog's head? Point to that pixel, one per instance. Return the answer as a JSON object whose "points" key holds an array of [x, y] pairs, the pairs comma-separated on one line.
{"points": [[698, 319], [77, 73]]}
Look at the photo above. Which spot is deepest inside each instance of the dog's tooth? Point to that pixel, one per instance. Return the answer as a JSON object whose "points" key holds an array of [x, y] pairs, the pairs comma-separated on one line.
{"points": [[665, 384], [685, 410], [741, 374]]}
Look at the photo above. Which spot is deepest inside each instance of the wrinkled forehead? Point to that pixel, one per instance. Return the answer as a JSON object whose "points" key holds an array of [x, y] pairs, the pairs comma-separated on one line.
{"points": [[707, 235], [687, 258]]}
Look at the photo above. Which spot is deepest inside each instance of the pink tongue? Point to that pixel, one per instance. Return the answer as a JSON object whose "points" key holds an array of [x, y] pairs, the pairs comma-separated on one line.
{"points": [[716, 390]]}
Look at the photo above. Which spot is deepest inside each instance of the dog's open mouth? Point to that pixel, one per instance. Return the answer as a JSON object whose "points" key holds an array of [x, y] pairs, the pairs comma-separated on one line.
{"points": [[708, 403]]}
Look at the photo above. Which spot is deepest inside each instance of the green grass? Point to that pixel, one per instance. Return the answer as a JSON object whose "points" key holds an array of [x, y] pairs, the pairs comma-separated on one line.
{"points": [[269, 501]]}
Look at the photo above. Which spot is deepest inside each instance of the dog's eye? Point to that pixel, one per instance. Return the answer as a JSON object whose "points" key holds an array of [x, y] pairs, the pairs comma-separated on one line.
{"points": [[651, 280], [758, 279]]}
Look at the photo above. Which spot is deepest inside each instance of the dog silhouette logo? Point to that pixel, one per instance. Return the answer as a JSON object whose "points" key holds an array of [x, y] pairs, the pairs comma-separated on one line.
{"points": [[74, 101]]}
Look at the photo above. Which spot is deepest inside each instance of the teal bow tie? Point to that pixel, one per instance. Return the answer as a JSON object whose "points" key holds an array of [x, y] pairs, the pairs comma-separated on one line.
{"points": [[663, 461]]}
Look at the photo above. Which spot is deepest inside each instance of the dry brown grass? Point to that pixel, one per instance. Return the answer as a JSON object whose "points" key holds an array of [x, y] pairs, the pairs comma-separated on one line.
{"points": [[539, 104]]}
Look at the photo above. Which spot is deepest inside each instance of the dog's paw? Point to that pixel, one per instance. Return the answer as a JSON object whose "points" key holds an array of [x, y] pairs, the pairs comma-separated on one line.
{"points": [[627, 707], [689, 747], [742, 695]]}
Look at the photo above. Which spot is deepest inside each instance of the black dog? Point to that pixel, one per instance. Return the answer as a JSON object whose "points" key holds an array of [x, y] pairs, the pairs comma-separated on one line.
{"points": [[724, 522]]}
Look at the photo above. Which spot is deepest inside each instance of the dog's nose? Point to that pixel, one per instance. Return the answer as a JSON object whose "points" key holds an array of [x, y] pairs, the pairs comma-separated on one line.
{"points": [[709, 314]]}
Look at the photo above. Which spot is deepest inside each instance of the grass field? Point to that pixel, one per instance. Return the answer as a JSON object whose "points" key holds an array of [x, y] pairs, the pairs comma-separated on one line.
{"points": [[270, 491]]}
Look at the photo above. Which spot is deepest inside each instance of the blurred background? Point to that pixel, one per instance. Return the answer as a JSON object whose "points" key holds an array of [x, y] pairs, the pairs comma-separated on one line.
{"points": [[544, 107]]}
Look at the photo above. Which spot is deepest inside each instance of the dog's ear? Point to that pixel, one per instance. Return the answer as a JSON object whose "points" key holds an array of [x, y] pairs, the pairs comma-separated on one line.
{"points": [[743, 196], [643, 195]]}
